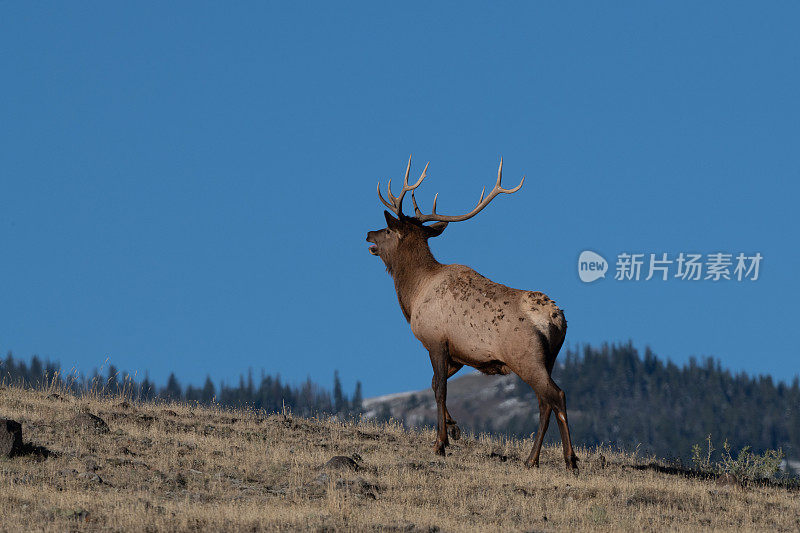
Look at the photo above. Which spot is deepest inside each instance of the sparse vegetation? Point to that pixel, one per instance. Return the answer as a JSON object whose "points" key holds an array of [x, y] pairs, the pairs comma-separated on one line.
{"points": [[166, 466], [746, 467]]}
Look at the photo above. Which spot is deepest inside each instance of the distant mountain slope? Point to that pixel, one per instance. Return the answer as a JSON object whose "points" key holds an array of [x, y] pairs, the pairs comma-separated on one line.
{"points": [[615, 396], [474, 399]]}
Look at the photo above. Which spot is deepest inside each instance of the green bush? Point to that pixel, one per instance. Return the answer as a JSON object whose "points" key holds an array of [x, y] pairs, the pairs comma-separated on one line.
{"points": [[746, 467]]}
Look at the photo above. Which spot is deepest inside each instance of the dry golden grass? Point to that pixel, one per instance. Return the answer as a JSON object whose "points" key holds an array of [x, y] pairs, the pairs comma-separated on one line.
{"points": [[169, 467]]}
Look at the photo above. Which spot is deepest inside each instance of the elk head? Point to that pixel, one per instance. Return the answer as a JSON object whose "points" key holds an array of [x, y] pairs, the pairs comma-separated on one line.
{"points": [[409, 233]]}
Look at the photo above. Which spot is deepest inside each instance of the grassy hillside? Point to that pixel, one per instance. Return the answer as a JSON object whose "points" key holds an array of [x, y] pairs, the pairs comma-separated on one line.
{"points": [[175, 467]]}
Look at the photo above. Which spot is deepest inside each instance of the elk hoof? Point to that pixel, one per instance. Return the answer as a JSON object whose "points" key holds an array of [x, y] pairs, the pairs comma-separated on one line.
{"points": [[572, 465], [532, 464], [454, 431], [438, 448]]}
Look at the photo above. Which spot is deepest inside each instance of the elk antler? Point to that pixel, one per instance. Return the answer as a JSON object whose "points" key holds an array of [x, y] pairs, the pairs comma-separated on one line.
{"points": [[483, 202], [397, 202]]}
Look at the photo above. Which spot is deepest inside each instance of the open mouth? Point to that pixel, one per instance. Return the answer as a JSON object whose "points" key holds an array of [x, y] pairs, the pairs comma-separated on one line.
{"points": [[373, 249]]}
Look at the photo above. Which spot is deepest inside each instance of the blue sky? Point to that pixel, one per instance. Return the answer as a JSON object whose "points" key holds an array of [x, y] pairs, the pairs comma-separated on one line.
{"points": [[188, 186]]}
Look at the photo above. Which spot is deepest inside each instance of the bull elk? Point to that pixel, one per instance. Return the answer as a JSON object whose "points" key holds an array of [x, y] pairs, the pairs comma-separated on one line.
{"points": [[463, 318]]}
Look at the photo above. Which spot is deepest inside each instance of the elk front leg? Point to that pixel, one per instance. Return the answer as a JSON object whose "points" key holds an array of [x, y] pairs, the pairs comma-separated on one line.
{"points": [[452, 427], [439, 356]]}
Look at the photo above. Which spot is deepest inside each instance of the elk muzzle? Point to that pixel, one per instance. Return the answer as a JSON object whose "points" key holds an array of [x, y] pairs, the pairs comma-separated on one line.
{"points": [[373, 249]]}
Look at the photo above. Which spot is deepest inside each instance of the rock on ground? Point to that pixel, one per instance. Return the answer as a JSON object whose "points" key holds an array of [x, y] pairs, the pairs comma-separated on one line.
{"points": [[10, 437], [340, 462], [91, 422]]}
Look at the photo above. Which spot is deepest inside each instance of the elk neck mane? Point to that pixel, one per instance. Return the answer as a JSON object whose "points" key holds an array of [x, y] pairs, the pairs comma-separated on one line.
{"points": [[411, 263]]}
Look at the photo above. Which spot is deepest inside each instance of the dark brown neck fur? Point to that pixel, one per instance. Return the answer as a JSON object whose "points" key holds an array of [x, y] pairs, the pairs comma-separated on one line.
{"points": [[409, 265]]}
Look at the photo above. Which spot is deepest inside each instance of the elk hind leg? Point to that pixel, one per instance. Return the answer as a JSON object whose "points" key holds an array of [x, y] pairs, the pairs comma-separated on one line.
{"points": [[563, 427], [544, 422], [547, 390]]}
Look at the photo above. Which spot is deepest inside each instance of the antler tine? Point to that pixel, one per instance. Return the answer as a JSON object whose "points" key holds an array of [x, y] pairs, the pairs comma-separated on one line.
{"points": [[407, 187], [422, 176], [499, 173], [500, 177], [515, 189], [483, 202], [392, 198], [387, 204], [396, 204], [417, 212]]}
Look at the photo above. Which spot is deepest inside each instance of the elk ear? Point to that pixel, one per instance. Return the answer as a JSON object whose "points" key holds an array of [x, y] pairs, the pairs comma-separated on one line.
{"points": [[391, 222], [435, 229]]}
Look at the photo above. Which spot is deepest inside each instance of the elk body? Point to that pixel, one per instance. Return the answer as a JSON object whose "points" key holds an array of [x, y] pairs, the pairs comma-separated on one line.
{"points": [[463, 318]]}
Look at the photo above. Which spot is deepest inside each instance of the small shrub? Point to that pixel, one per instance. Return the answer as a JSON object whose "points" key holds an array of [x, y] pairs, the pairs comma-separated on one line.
{"points": [[702, 458], [598, 514], [746, 466]]}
